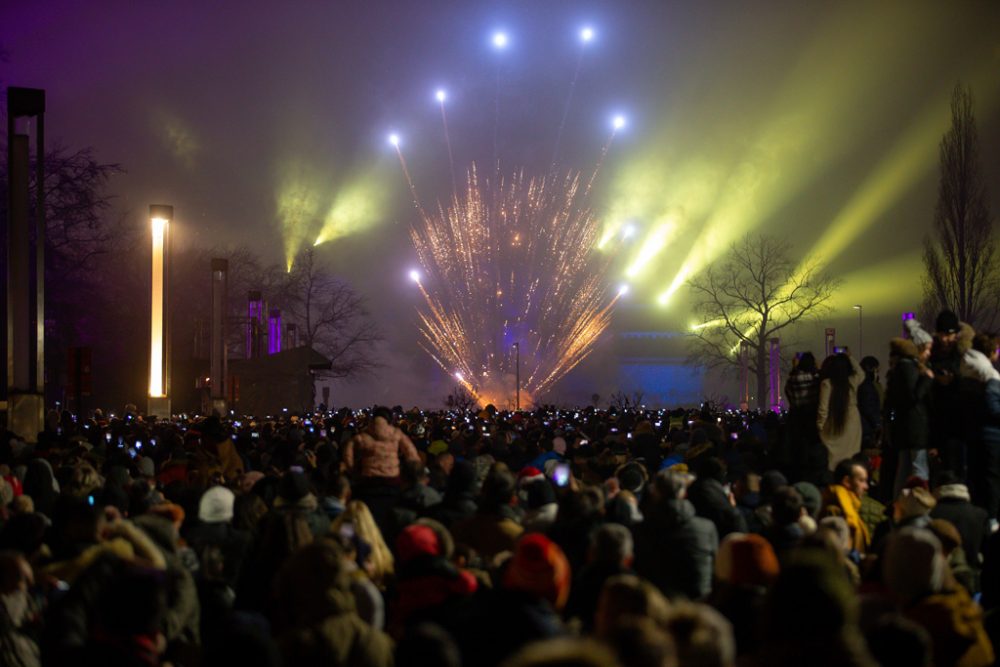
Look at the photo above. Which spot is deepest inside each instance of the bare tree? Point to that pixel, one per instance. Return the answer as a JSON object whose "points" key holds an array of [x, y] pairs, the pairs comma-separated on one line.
{"points": [[460, 399], [624, 401], [753, 295], [80, 237], [331, 318], [960, 256]]}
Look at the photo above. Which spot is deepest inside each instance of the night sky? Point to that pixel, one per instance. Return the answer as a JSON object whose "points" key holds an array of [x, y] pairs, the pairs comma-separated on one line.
{"points": [[816, 121]]}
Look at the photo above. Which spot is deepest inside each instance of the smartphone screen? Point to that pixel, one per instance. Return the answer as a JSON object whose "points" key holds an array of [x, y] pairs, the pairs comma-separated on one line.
{"points": [[561, 474]]}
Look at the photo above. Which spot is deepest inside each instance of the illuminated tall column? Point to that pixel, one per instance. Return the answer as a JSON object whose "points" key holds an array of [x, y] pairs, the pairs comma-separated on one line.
{"points": [[274, 331], [159, 362], [23, 336], [744, 375], [217, 355], [255, 319], [774, 366]]}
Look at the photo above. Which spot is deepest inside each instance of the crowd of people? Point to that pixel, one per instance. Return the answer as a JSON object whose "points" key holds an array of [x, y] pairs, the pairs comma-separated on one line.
{"points": [[856, 528]]}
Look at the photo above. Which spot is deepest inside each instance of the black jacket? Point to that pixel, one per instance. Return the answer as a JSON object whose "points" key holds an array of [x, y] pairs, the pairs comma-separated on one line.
{"points": [[906, 405], [970, 520], [676, 550], [870, 409], [711, 502]]}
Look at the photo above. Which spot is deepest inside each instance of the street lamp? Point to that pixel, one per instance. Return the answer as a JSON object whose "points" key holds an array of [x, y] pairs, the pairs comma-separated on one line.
{"points": [[517, 376], [860, 310]]}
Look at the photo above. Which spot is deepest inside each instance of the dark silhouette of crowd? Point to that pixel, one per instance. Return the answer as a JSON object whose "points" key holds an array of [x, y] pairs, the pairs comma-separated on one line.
{"points": [[856, 528]]}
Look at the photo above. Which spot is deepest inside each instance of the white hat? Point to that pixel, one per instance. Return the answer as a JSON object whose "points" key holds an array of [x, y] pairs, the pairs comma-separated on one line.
{"points": [[216, 505]]}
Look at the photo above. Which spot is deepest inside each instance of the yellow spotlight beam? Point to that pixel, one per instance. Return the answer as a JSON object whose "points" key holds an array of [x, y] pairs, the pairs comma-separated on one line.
{"points": [[801, 128], [878, 287], [652, 245], [913, 156], [357, 206]]}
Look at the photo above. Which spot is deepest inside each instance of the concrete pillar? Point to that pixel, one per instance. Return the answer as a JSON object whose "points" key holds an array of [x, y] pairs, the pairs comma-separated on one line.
{"points": [[217, 356], [23, 336]]}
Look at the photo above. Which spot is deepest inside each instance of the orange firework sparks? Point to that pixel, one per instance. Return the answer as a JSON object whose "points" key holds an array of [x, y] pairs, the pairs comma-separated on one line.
{"points": [[510, 261]]}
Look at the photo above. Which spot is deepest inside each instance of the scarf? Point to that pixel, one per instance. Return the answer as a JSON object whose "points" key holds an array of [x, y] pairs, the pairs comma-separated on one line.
{"points": [[850, 504]]}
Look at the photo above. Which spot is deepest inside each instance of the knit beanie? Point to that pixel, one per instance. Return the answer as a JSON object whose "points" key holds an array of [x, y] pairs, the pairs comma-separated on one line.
{"points": [[146, 466], [539, 567], [746, 560], [528, 475], [918, 335], [812, 499], [415, 541], [437, 447], [947, 322], [216, 505]]}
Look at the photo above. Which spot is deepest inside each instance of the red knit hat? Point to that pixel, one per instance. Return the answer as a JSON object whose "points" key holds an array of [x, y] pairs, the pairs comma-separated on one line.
{"points": [[540, 567], [417, 540], [746, 560]]}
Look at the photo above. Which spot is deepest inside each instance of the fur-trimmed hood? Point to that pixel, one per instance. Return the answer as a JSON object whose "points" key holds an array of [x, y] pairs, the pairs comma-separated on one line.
{"points": [[978, 366], [953, 492], [902, 347]]}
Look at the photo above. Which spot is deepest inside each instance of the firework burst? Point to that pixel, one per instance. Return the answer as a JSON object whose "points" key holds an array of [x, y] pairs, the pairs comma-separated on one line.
{"points": [[511, 260]]}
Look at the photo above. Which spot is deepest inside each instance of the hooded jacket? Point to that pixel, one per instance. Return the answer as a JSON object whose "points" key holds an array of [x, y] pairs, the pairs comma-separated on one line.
{"points": [[675, 549], [315, 613]]}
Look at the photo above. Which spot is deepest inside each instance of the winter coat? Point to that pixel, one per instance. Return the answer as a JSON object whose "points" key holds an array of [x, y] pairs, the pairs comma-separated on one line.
{"points": [[870, 409], [980, 404], [945, 395], [339, 639], [425, 587], [181, 619], [315, 618], [971, 521], [847, 443], [990, 434], [955, 624], [675, 549], [711, 502], [907, 398]]}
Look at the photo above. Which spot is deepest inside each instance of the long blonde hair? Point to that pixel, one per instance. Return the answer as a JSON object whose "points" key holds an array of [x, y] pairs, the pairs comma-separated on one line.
{"points": [[358, 515]]}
